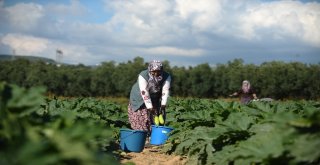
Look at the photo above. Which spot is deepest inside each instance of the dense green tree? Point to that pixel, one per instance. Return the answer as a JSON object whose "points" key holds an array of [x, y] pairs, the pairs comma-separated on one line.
{"points": [[102, 80], [221, 81], [79, 81], [276, 79], [179, 83], [126, 75], [37, 74], [201, 79], [16, 71], [310, 85]]}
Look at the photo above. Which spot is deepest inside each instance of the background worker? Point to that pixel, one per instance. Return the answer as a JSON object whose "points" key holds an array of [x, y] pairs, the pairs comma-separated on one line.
{"points": [[246, 93]]}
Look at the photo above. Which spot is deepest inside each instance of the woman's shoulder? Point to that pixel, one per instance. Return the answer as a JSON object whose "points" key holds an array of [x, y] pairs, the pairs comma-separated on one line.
{"points": [[165, 74], [143, 73], [252, 90]]}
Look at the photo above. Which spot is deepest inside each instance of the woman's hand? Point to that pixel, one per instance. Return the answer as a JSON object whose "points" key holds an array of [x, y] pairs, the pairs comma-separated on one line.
{"points": [[162, 113], [152, 111], [255, 96], [162, 109], [233, 94]]}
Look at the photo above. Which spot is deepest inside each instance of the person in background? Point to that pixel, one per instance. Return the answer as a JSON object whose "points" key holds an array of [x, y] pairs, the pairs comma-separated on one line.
{"points": [[148, 97], [246, 93]]}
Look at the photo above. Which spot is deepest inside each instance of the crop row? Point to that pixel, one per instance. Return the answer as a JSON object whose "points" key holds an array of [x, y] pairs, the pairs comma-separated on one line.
{"points": [[35, 129]]}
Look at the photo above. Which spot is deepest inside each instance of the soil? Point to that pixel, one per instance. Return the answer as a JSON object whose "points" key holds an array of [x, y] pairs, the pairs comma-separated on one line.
{"points": [[151, 156]]}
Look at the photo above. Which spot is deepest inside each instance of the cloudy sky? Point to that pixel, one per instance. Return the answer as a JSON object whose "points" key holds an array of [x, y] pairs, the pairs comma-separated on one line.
{"points": [[184, 32]]}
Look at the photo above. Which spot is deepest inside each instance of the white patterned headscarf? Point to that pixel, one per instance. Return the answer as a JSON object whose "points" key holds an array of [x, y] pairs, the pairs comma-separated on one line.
{"points": [[154, 82], [155, 65], [245, 86]]}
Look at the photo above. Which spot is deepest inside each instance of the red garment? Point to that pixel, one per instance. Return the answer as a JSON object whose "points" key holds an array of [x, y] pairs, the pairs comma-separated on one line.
{"points": [[246, 97], [140, 119]]}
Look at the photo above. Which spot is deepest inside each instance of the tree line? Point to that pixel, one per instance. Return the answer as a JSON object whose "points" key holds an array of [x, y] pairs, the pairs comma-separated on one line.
{"points": [[276, 79]]}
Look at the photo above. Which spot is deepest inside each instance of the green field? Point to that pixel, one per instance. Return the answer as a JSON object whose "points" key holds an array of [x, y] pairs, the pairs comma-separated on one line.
{"points": [[36, 129]]}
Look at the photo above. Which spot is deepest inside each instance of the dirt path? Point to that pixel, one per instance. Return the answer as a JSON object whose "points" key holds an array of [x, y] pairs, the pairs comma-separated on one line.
{"points": [[152, 156]]}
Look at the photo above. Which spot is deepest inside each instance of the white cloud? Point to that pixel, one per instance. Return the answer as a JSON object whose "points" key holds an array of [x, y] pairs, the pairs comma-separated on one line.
{"points": [[187, 28], [25, 45], [24, 16], [30, 45], [73, 53], [166, 50], [203, 14], [155, 22], [282, 19], [143, 22]]}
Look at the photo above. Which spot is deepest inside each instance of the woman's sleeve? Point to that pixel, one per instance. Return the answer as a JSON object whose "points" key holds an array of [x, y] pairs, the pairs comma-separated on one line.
{"points": [[144, 92], [253, 90], [165, 91]]}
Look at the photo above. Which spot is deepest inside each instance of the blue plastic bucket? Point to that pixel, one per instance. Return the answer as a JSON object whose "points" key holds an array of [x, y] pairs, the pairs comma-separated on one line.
{"points": [[159, 134], [132, 140]]}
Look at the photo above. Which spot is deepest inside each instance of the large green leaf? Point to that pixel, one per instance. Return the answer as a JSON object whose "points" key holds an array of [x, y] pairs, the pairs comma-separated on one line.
{"points": [[305, 148]]}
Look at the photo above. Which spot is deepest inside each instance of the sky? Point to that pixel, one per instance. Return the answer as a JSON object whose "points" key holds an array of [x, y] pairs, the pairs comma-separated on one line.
{"points": [[183, 32]]}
